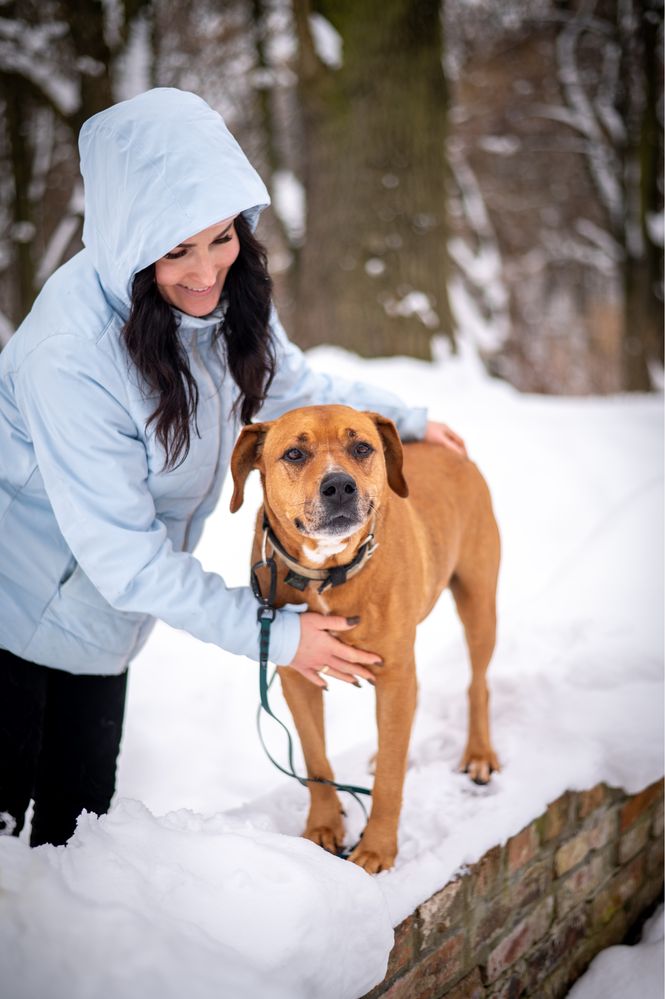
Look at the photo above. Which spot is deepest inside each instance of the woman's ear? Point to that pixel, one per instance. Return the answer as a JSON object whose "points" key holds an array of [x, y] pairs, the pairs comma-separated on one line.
{"points": [[245, 457], [392, 449]]}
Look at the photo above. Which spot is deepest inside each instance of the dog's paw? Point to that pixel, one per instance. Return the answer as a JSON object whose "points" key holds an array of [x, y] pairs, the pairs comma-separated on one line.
{"points": [[331, 839], [372, 861], [374, 853], [480, 765]]}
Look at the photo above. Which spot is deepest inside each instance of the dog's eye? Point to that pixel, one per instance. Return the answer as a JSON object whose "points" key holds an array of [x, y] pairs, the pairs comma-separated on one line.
{"points": [[362, 449], [294, 455]]}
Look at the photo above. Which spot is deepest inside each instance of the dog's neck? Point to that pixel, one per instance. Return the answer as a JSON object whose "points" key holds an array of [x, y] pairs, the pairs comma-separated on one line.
{"points": [[320, 568], [320, 554]]}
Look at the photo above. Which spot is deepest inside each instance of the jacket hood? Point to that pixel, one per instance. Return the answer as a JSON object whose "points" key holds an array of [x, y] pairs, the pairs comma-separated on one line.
{"points": [[157, 169]]}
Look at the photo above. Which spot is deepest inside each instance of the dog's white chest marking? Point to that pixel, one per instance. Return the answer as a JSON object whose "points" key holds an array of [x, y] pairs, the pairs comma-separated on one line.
{"points": [[323, 551]]}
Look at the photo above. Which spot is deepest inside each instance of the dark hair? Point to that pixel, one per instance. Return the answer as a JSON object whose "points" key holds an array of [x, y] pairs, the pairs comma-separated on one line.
{"points": [[152, 341]]}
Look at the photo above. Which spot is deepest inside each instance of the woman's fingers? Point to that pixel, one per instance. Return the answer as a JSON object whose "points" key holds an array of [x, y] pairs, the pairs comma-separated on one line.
{"points": [[319, 650], [354, 662], [441, 433], [349, 673]]}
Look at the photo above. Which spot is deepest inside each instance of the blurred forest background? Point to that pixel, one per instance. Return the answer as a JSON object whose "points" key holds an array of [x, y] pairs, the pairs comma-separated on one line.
{"points": [[487, 172]]}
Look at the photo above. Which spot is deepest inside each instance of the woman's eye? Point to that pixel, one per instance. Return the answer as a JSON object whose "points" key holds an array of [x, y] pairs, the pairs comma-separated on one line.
{"points": [[362, 449], [174, 255], [294, 455], [223, 239]]}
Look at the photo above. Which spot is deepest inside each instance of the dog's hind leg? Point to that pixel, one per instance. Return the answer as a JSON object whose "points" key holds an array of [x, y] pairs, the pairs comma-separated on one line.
{"points": [[476, 606], [325, 825]]}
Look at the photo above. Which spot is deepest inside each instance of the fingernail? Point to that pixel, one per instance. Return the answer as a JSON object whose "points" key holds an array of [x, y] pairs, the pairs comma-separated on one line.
{"points": [[378, 662], [353, 620], [324, 688], [373, 682], [356, 683]]}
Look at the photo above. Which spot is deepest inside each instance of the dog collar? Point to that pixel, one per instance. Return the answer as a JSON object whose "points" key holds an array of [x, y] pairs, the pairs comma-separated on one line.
{"points": [[300, 576]]}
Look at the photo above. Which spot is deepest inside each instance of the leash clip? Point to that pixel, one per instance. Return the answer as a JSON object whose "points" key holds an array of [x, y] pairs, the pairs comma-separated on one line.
{"points": [[265, 613]]}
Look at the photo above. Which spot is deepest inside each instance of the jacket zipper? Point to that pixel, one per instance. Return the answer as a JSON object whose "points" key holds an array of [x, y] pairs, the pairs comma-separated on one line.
{"points": [[216, 394]]}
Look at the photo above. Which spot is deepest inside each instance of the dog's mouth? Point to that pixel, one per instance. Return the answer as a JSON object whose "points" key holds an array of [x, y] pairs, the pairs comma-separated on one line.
{"points": [[341, 524], [334, 527], [326, 521]]}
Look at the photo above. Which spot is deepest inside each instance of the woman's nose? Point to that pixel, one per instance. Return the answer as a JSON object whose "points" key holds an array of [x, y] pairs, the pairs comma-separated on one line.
{"points": [[204, 272]]}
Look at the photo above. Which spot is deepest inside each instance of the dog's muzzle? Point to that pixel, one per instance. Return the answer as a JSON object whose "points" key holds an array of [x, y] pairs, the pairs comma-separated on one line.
{"points": [[338, 497]]}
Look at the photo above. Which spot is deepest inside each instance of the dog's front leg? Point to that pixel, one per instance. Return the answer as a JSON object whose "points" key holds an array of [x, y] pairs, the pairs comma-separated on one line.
{"points": [[325, 825], [395, 708]]}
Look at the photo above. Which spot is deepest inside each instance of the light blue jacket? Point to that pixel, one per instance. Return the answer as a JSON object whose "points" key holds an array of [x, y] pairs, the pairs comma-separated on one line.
{"points": [[96, 539]]}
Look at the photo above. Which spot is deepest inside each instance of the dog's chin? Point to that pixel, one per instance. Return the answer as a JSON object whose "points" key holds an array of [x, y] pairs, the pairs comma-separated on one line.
{"points": [[335, 529]]}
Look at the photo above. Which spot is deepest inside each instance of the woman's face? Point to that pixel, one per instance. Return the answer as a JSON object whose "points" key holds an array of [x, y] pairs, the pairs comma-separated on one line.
{"points": [[191, 275]]}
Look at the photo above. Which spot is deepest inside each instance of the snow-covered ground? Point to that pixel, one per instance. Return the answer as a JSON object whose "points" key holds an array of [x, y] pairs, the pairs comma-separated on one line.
{"points": [[197, 884], [627, 972]]}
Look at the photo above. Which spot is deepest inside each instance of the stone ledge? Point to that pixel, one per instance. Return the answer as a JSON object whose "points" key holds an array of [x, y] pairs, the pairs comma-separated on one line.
{"points": [[530, 915]]}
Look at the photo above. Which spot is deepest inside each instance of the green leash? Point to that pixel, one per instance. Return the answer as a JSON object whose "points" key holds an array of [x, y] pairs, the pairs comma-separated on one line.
{"points": [[265, 616]]}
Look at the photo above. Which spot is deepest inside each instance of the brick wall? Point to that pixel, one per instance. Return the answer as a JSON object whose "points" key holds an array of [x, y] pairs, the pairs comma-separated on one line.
{"points": [[527, 919]]}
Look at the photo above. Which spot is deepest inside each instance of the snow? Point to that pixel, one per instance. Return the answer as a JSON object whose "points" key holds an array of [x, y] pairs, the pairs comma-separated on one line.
{"points": [[328, 42], [288, 197], [180, 905], [622, 971], [133, 69], [27, 50], [413, 303], [6, 329], [197, 882], [62, 235], [484, 314]]}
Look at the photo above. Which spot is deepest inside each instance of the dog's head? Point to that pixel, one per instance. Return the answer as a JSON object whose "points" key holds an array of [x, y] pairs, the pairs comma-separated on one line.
{"points": [[324, 469]]}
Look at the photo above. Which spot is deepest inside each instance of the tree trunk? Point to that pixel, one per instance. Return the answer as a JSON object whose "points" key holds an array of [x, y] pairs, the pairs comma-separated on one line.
{"points": [[372, 273], [86, 24], [643, 334], [18, 108], [642, 166]]}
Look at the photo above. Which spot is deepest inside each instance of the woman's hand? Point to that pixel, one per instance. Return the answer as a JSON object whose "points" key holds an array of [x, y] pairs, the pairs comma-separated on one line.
{"points": [[319, 649], [439, 433]]}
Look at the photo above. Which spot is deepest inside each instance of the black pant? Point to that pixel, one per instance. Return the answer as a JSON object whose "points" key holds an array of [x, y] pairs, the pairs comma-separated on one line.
{"points": [[59, 741]]}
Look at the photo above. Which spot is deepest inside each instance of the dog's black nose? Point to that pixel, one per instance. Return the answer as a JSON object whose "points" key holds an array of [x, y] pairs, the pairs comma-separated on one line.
{"points": [[338, 489]]}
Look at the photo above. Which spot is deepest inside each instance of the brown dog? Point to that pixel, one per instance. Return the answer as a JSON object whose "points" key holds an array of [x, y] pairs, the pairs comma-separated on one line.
{"points": [[332, 476]]}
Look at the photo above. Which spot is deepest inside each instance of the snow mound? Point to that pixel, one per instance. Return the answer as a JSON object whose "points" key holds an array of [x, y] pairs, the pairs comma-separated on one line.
{"points": [[619, 972], [186, 906]]}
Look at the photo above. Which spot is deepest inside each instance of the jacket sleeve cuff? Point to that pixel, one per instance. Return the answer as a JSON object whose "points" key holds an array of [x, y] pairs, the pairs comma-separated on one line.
{"points": [[284, 637], [412, 424]]}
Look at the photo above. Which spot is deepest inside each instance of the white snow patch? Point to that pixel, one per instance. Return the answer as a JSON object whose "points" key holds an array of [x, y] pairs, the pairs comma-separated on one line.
{"points": [[186, 906], [6, 329], [62, 235], [656, 227], [414, 303], [375, 266], [289, 201], [328, 42], [133, 68], [621, 972], [502, 145]]}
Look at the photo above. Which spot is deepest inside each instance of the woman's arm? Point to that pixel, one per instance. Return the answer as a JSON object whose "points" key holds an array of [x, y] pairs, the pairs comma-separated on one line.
{"points": [[296, 384], [94, 469]]}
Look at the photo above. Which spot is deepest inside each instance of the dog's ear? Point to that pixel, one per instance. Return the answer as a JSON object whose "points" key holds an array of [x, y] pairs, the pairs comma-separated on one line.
{"points": [[244, 458], [392, 449]]}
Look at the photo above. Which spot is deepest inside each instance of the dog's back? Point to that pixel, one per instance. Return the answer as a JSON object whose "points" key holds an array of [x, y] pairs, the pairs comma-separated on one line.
{"points": [[448, 517]]}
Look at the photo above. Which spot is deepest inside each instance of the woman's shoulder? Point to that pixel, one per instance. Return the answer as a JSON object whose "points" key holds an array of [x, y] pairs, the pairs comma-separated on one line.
{"points": [[71, 304]]}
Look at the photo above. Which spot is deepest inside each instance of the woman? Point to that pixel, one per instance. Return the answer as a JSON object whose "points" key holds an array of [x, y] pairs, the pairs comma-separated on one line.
{"points": [[121, 396]]}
